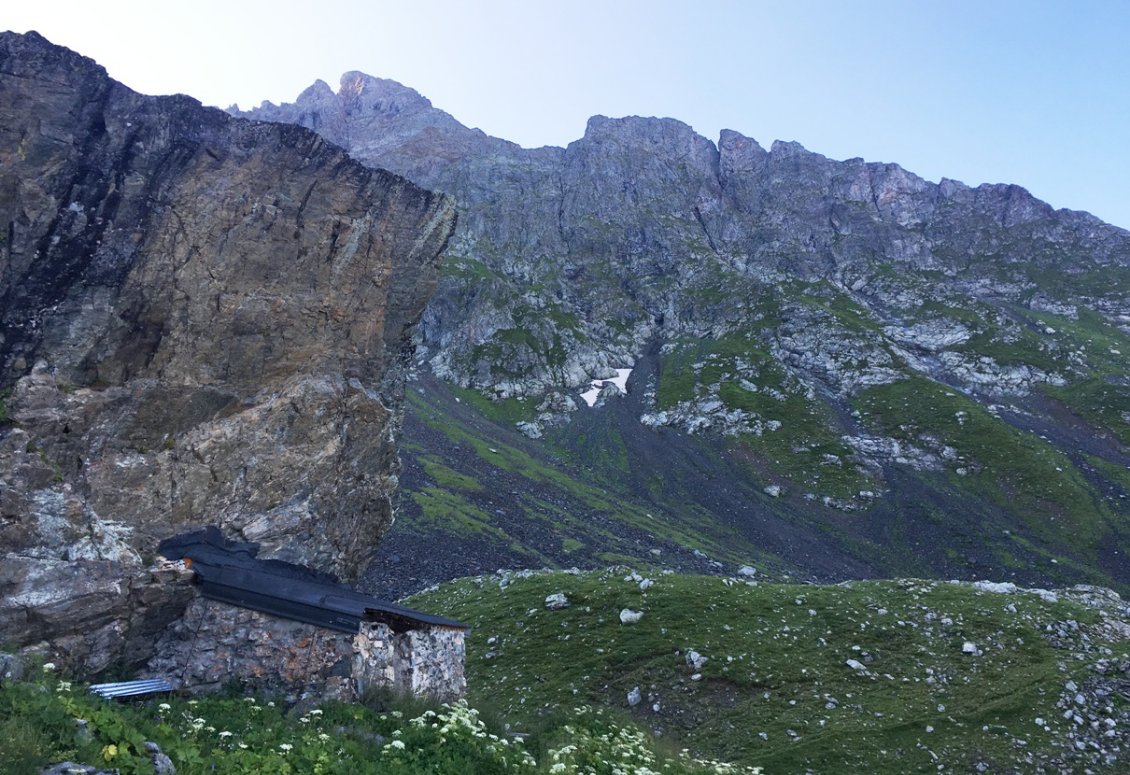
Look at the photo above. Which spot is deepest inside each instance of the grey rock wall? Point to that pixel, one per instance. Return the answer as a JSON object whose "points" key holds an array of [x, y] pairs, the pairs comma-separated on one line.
{"points": [[202, 320]]}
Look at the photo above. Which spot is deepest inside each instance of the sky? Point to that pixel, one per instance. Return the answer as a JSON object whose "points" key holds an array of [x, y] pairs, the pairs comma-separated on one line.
{"points": [[988, 91]]}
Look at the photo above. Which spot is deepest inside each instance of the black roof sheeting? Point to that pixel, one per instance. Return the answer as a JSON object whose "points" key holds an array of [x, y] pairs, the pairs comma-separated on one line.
{"points": [[230, 572]]}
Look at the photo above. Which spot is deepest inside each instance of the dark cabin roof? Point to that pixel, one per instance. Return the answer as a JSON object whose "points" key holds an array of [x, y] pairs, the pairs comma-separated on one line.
{"points": [[229, 571]]}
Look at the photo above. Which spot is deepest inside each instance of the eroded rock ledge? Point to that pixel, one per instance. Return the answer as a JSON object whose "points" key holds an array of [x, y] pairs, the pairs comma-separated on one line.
{"points": [[204, 320]]}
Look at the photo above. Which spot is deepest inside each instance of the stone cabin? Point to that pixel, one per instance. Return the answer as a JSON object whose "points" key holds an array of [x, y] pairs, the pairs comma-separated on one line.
{"points": [[285, 628]]}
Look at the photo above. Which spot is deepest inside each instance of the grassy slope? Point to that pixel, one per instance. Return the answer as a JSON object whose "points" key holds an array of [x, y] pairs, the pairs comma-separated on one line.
{"points": [[1042, 690], [604, 489], [479, 496], [776, 690], [45, 721], [1049, 499]]}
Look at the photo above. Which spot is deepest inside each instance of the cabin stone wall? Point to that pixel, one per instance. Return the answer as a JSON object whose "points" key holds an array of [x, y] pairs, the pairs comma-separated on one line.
{"points": [[424, 662], [215, 644]]}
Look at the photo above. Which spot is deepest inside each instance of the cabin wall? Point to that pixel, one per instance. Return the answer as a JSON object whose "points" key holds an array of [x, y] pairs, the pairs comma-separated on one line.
{"points": [[216, 644], [428, 661]]}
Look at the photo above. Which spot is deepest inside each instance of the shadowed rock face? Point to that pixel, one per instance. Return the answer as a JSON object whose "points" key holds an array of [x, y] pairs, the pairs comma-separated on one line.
{"points": [[204, 320]]}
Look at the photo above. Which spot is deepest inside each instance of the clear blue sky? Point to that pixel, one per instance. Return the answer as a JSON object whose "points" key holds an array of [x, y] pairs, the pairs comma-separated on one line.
{"points": [[1035, 93]]}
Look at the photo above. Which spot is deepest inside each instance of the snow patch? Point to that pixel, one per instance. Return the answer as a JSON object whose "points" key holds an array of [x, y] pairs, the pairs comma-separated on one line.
{"points": [[620, 381]]}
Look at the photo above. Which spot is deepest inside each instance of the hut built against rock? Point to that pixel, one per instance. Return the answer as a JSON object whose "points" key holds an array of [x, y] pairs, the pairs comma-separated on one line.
{"points": [[286, 628]]}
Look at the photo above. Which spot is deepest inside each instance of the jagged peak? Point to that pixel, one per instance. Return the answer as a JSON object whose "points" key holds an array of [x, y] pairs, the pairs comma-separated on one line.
{"points": [[786, 148], [31, 50], [902, 178], [599, 124], [317, 90], [33, 38], [949, 186], [355, 83], [1014, 204], [736, 140], [649, 131], [1005, 189]]}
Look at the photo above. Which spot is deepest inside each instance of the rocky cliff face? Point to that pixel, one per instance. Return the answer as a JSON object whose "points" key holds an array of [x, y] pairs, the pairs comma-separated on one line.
{"points": [[846, 329], [204, 320], [644, 231]]}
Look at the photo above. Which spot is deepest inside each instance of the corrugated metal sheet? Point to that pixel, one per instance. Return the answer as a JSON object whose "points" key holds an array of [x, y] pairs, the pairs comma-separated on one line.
{"points": [[230, 572], [131, 688]]}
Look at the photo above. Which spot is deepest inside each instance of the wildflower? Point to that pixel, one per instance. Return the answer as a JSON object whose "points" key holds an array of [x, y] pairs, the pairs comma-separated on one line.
{"points": [[304, 720], [285, 747], [64, 686], [164, 707], [225, 734], [315, 712], [242, 745], [271, 704], [109, 751], [397, 744], [323, 737], [249, 699], [49, 667]]}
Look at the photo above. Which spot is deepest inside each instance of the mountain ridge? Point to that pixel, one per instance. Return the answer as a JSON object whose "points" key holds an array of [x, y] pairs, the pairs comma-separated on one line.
{"points": [[846, 328], [354, 82]]}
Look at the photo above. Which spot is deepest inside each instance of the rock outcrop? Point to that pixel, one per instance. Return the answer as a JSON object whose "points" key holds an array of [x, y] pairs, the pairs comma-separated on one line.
{"points": [[204, 320]]}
